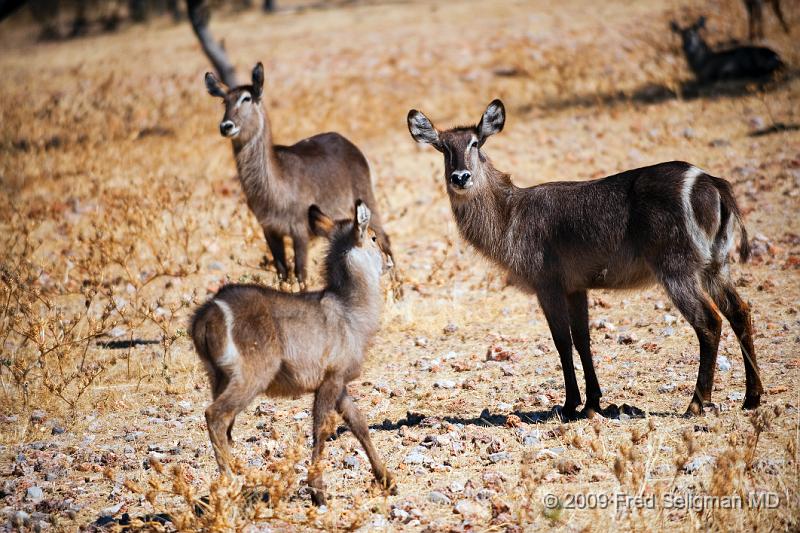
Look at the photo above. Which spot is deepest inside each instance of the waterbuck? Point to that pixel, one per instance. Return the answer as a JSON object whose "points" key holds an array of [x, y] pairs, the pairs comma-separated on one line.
{"points": [[281, 182], [255, 340], [669, 223], [741, 62]]}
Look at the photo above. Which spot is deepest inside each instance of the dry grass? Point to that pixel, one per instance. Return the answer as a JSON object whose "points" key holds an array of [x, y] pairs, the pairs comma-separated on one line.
{"points": [[119, 210]]}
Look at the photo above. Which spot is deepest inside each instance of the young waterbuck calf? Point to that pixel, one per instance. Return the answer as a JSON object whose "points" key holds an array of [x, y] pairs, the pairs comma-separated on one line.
{"points": [[281, 182], [670, 223], [255, 340], [741, 62]]}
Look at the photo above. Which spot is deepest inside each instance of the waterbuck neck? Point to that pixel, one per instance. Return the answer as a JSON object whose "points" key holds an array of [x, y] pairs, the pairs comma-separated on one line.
{"points": [[356, 288], [483, 218], [257, 164], [697, 53]]}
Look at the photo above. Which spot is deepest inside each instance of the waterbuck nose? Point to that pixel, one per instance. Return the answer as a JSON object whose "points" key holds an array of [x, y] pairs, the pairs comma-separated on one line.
{"points": [[225, 127], [459, 178]]}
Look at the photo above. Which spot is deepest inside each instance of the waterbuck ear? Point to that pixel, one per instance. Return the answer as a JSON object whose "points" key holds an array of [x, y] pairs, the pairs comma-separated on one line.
{"points": [[674, 26], [362, 216], [321, 224], [421, 129], [258, 80], [701, 23], [492, 121], [214, 86]]}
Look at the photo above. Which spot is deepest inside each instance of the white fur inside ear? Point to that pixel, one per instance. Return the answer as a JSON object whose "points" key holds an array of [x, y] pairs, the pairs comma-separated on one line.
{"points": [[363, 214], [493, 120], [421, 129]]}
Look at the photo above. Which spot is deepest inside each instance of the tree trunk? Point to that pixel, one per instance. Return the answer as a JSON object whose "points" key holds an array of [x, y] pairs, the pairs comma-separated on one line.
{"points": [[199, 16]]}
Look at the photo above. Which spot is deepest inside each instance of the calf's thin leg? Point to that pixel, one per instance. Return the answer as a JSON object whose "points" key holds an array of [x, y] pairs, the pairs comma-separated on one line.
{"points": [[579, 326], [324, 402], [220, 416], [702, 314], [278, 251], [355, 421]]}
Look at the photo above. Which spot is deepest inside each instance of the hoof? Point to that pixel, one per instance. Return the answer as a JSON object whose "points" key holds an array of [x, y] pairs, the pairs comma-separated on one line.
{"points": [[386, 485], [567, 414], [318, 497], [694, 409], [752, 402]]}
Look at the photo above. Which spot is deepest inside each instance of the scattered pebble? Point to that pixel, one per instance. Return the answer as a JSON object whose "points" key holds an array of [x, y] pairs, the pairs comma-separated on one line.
{"points": [[34, 494], [444, 384], [723, 363], [667, 387], [437, 497], [697, 463]]}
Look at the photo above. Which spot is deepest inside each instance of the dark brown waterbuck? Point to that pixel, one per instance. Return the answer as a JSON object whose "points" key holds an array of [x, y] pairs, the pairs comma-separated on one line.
{"points": [[254, 340], [670, 223], [736, 63], [281, 182]]}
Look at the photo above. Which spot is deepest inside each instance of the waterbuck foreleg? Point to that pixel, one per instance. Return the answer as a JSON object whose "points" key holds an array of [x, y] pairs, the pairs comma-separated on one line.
{"points": [[579, 326], [278, 251], [553, 301], [703, 315], [355, 421], [324, 403]]}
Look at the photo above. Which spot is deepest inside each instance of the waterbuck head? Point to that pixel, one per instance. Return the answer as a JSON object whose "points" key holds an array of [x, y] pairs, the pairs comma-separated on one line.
{"points": [[353, 242], [464, 163], [244, 117], [690, 36]]}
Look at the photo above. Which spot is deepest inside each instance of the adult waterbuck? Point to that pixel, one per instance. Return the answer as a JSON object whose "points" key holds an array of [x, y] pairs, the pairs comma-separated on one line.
{"points": [[281, 182], [255, 340], [669, 223], [740, 62]]}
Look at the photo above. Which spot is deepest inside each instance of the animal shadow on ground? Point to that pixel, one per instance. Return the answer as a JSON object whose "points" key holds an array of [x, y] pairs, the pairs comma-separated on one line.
{"points": [[129, 343], [487, 419], [652, 93]]}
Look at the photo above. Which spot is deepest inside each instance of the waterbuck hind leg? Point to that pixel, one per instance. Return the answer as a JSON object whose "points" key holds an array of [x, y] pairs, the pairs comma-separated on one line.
{"points": [[737, 312], [703, 315], [355, 421], [220, 416], [278, 251], [553, 301], [324, 403], [300, 244], [579, 326]]}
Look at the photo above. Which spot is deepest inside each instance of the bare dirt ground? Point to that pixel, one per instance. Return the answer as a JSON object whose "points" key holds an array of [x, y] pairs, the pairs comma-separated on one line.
{"points": [[121, 209]]}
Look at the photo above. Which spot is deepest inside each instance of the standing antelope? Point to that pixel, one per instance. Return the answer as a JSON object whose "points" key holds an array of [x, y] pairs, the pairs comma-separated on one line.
{"points": [[670, 223], [255, 340], [281, 182], [740, 62], [755, 17]]}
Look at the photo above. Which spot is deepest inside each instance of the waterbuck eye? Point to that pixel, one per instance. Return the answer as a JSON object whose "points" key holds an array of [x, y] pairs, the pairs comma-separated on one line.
{"points": [[246, 99], [472, 144], [374, 238]]}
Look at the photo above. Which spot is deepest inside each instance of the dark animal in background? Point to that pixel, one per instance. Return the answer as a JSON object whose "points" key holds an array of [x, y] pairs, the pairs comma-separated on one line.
{"points": [[255, 340], [281, 182], [742, 62], [671, 224], [755, 17]]}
